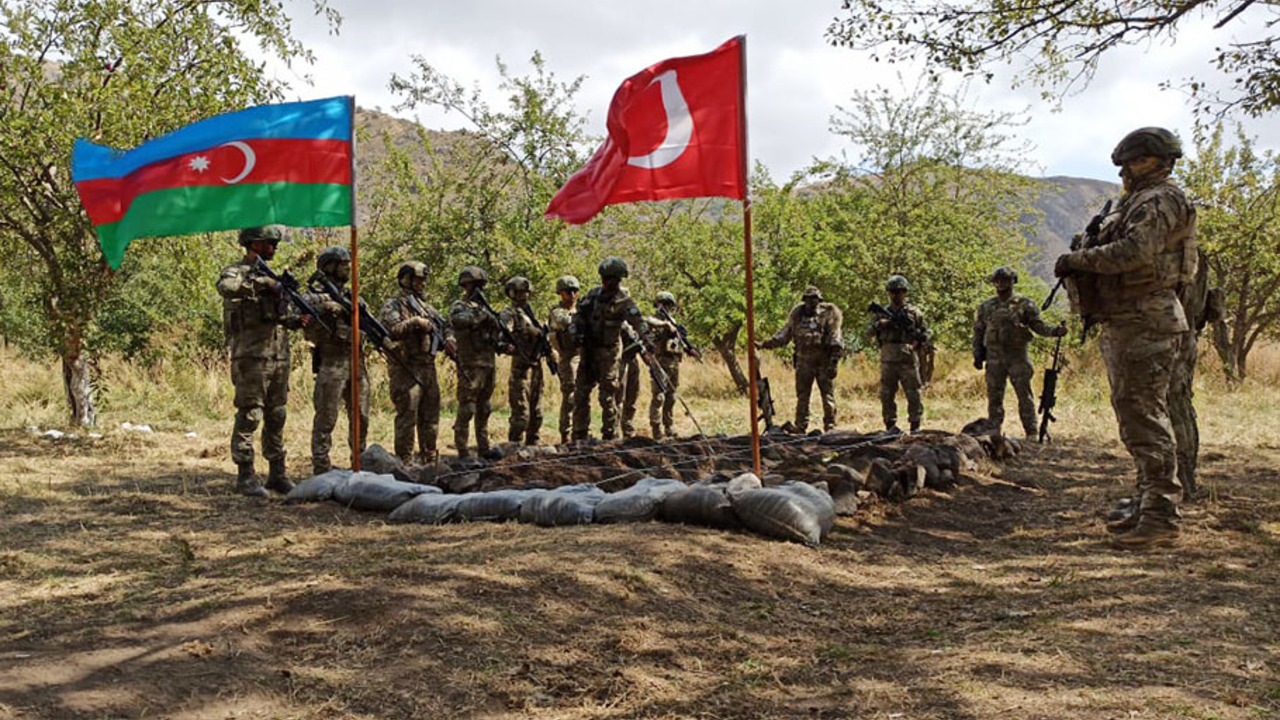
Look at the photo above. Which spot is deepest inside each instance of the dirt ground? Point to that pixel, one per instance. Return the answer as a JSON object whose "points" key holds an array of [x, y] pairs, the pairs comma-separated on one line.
{"points": [[133, 584]]}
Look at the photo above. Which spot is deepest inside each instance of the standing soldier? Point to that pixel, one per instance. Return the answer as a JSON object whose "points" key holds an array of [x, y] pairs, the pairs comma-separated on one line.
{"points": [[627, 395], [421, 333], [561, 323], [524, 389], [255, 319], [331, 362], [669, 351], [1001, 331], [478, 336], [815, 326], [900, 331], [1128, 281], [597, 331]]}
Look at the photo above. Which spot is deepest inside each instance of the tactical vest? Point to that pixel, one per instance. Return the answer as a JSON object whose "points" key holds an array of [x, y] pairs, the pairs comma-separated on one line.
{"points": [[1005, 326], [417, 344], [251, 322], [812, 333], [561, 323], [475, 333], [666, 340], [605, 316]]}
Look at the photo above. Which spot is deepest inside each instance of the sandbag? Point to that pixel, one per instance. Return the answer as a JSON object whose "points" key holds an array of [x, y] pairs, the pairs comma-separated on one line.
{"points": [[427, 508], [786, 512], [382, 493], [375, 459], [638, 503], [705, 505], [317, 488], [569, 505], [818, 495], [493, 506]]}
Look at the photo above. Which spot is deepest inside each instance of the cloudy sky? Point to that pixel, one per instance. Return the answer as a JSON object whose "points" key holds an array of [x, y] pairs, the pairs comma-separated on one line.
{"points": [[795, 80]]}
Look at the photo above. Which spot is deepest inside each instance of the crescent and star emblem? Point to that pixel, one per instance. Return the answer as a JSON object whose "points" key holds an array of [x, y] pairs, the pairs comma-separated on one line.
{"points": [[250, 159], [679, 126]]}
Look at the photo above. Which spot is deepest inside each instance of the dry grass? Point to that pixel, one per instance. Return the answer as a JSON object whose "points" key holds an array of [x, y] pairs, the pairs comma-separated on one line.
{"points": [[133, 584]]}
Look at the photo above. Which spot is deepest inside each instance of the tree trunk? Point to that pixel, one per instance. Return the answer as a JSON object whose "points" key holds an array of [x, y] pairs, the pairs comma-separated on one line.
{"points": [[76, 382], [1222, 344], [725, 345]]}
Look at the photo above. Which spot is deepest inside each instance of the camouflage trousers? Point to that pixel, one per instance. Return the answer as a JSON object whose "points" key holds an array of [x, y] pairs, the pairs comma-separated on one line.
{"points": [[821, 369], [1182, 412], [524, 390], [627, 395], [1139, 365], [906, 374], [662, 404], [417, 407], [262, 392], [475, 391], [1017, 371], [332, 392], [568, 382], [598, 366]]}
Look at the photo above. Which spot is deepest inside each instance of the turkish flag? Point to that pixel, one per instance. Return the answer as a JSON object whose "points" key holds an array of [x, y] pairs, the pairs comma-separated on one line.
{"points": [[675, 131]]}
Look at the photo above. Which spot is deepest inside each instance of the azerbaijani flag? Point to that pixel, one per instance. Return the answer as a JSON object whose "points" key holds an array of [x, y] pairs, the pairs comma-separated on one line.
{"points": [[288, 164]]}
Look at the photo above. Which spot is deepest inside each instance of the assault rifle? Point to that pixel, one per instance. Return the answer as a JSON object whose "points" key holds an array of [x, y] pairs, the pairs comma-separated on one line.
{"points": [[289, 285], [764, 403], [1049, 393], [507, 337], [436, 345], [901, 320], [1088, 239], [682, 333], [370, 329], [637, 343], [544, 341]]}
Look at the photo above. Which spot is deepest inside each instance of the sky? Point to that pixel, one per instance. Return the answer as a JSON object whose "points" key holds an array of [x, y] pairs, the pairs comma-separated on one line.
{"points": [[795, 79]]}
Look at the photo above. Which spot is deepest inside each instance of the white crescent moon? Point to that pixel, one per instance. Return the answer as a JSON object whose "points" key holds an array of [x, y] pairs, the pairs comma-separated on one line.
{"points": [[679, 126], [250, 159]]}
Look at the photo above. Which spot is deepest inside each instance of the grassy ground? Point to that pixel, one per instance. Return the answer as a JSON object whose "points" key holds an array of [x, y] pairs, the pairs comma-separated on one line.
{"points": [[133, 584]]}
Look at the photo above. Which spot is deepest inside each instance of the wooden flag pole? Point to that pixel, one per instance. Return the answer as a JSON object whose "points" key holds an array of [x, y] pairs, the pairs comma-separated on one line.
{"points": [[753, 371], [353, 412]]}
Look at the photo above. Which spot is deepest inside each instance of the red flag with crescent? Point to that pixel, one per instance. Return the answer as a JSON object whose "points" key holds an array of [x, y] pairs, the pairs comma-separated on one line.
{"points": [[676, 130]]}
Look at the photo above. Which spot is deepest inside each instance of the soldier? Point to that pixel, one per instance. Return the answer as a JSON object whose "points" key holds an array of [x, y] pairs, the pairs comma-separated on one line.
{"points": [[478, 337], [900, 333], [1128, 281], [420, 333], [561, 323], [669, 351], [815, 326], [331, 362], [524, 389], [255, 319], [627, 395], [1001, 331], [598, 333]]}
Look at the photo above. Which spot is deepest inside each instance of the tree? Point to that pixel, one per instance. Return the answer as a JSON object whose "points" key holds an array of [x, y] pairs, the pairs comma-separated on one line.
{"points": [[1059, 43], [1237, 193], [118, 72]]}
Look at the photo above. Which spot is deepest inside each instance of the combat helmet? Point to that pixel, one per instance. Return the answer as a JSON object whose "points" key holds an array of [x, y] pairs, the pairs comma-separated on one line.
{"points": [[811, 293], [1153, 141], [409, 270], [332, 254], [473, 274], [1004, 272], [665, 297], [518, 282], [569, 283], [268, 233], [613, 267], [897, 282]]}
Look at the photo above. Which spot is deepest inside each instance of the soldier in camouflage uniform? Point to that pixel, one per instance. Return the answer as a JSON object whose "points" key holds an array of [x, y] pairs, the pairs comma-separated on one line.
{"points": [[669, 351], [900, 338], [255, 318], [561, 323], [627, 395], [1202, 306], [1002, 329], [479, 338], [416, 327], [815, 326], [524, 388], [331, 363], [1128, 281], [598, 333]]}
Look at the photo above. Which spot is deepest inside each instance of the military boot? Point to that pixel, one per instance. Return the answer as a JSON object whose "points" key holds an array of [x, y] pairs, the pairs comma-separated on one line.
{"points": [[1157, 525], [915, 427], [657, 431], [277, 480], [1124, 516], [247, 482]]}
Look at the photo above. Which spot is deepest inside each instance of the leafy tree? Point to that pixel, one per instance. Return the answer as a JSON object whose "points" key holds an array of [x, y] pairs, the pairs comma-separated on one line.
{"points": [[1237, 192], [1058, 44], [118, 72]]}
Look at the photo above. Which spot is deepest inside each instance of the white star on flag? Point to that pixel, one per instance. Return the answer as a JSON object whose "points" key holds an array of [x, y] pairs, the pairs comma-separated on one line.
{"points": [[199, 163]]}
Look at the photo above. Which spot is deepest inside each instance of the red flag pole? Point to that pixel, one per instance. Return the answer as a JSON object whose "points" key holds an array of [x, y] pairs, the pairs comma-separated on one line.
{"points": [[353, 414], [753, 371]]}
